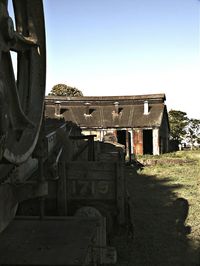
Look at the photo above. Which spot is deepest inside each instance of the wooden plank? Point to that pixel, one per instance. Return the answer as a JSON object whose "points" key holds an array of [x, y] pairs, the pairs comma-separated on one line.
{"points": [[90, 175], [91, 170], [87, 189], [92, 165]]}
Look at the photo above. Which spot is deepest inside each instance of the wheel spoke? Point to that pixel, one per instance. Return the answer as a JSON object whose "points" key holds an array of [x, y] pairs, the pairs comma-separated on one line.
{"points": [[18, 119], [25, 37], [5, 2], [24, 97]]}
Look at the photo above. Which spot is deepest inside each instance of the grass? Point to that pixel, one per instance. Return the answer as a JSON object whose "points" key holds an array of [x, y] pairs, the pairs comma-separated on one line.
{"points": [[186, 181], [152, 193]]}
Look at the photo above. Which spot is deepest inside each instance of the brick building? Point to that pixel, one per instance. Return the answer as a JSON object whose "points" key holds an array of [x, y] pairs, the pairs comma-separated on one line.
{"points": [[139, 122]]}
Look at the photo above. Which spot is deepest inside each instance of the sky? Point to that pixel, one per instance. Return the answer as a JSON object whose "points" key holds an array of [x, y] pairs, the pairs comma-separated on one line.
{"points": [[126, 47]]}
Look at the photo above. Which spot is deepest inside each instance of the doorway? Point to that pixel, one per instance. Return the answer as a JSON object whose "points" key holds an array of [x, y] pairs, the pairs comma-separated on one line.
{"points": [[121, 137], [147, 141], [124, 138]]}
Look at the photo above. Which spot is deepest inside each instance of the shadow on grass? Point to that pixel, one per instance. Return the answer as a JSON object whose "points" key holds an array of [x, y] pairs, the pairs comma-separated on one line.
{"points": [[156, 241]]}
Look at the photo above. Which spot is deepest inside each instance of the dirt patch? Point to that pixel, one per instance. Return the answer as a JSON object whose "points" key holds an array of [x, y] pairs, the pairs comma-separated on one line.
{"points": [[151, 162]]}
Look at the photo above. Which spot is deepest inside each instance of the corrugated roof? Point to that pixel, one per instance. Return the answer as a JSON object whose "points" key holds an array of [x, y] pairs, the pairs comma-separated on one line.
{"points": [[158, 96], [102, 112]]}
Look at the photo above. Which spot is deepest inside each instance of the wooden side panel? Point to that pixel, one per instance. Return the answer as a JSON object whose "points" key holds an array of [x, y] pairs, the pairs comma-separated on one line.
{"points": [[62, 189], [120, 186], [97, 181], [91, 180]]}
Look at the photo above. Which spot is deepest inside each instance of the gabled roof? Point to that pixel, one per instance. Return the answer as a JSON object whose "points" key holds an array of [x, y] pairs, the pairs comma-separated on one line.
{"points": [[110, 111]]}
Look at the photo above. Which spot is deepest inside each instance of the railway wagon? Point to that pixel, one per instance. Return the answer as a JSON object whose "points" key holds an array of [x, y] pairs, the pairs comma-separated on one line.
{"points": [[34, 163]]}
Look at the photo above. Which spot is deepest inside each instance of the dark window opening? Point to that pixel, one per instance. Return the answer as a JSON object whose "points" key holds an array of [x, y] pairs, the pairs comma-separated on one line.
{"points": [[63, 110], [147, 141], [89, 110]]}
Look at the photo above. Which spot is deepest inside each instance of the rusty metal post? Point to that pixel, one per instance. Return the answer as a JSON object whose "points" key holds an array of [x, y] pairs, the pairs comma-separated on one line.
{"points": [[128, 152], [138, 141]]}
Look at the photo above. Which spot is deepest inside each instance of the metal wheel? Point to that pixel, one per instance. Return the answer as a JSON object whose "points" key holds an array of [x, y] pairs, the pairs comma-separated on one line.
{"points": [[21, 97]]}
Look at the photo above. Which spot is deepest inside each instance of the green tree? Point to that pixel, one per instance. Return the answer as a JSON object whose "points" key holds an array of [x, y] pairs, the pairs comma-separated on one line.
{"points": [[65, 90], [178, 121], [193, 132]]}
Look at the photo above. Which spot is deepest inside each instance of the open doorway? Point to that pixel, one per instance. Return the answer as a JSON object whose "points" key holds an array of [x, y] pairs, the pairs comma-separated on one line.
{"points": [[147, 141], [121, 137], [124, 138]]}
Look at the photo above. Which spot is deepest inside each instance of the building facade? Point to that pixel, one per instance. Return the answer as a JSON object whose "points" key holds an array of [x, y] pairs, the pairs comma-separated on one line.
{"points": [[138, 122]]}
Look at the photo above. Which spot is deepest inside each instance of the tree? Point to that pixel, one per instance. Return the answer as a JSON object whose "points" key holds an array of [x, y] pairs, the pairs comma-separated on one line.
{"points": [[64, 90], [178, 121], [193, 132]]}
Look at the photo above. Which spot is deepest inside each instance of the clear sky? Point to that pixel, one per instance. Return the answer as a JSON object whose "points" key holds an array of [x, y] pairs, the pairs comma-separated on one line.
{"points": [[126, 47]]}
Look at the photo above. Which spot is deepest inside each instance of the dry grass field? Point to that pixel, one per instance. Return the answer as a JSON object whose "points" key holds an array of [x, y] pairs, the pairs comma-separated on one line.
{"points": [[153, 191]]}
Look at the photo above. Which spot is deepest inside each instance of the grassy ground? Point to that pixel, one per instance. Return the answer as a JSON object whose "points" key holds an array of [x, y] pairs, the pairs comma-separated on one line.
{"points": [[153, 191], [186, 176]]}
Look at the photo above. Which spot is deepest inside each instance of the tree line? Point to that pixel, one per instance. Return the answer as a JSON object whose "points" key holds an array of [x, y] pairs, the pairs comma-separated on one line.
{"points": [[65, 90], [184, 130]]}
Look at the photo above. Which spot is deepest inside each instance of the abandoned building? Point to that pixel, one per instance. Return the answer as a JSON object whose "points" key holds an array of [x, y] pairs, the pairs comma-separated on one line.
{"points": [[138, 122]]}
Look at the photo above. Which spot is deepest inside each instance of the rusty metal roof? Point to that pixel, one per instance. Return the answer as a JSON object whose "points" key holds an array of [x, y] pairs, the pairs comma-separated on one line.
{"points": [[110, 111]]}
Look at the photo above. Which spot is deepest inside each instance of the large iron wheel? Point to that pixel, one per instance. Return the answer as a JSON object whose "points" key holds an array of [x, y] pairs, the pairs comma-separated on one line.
{"points": [[21, 97]]}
